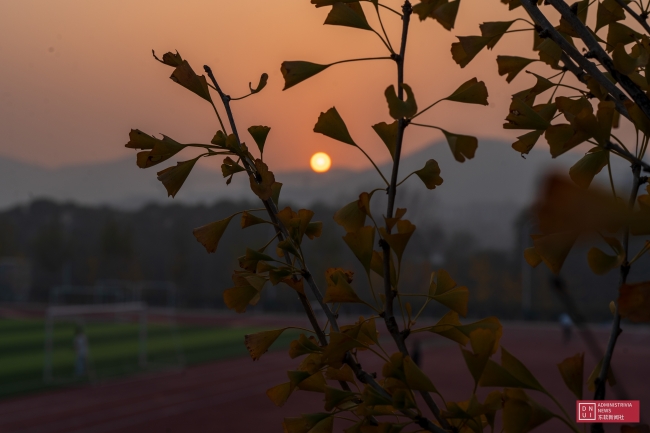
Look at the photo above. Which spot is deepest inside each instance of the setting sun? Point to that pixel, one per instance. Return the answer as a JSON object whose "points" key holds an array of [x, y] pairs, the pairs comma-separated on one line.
{"points": [[320, 162]]}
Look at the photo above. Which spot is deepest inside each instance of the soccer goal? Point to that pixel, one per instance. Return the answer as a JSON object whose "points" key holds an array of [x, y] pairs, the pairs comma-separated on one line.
{"points": [[96, 341]]}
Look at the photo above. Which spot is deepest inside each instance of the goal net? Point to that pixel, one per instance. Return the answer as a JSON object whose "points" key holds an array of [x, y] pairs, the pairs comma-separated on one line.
{"points": [[98, 341]]}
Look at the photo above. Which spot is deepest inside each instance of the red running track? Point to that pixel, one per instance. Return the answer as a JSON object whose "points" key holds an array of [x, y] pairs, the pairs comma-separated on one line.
{"points": [[229, 396]]}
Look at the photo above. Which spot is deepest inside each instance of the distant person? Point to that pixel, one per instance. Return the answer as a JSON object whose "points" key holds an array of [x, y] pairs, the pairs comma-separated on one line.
{"points": [[81, 352], [416, 353], [566, 324]]}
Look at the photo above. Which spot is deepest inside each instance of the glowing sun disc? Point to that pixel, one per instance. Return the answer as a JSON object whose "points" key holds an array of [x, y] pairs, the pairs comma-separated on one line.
{"points": [[320, 162]]}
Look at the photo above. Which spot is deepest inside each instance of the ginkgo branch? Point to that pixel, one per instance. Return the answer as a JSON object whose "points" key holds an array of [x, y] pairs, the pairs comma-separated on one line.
{"points": [[634, 15], [571, 52], [635, 92]]}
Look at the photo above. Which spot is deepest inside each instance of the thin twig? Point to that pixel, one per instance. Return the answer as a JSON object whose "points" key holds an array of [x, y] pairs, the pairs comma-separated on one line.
{"points": [[636, 16]]}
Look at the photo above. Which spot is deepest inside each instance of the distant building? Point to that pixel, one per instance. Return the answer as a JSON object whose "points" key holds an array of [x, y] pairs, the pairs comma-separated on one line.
{"points": [[15, 279]]}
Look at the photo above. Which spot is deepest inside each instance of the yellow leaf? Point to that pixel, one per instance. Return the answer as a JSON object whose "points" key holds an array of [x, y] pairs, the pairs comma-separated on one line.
{"points": [[279, 393], [470, 92], [350, 217], [462, 146], [348, 15], [430, 174], [186, 77], [388, 134], [584, 171], [248, 220], [512, 66], [258, 344], [554, 248], [415, 378], [397, 108], [494, 30], [210, 234], [634, 302], [344, 373], [601, 263], [294, 72], [340, 290], [230, 167], [156, 150], [174, 177], [263, 189], [239, 297], [169, 58], [399, 240], [259, 134], [572, 371], [332, 125], [361, 243], [303, 346], [467, 48], [335, 397]]}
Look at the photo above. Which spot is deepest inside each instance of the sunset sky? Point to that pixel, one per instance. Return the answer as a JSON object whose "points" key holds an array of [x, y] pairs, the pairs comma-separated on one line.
{"points": [[78, 75]]}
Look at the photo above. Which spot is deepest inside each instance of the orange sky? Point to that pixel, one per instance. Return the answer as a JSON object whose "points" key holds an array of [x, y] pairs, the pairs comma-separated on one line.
{"points": [[78, 75]]}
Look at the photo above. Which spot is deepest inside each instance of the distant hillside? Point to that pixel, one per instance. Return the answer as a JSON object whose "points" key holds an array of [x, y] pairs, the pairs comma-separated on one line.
{"points": [[498, 182]]}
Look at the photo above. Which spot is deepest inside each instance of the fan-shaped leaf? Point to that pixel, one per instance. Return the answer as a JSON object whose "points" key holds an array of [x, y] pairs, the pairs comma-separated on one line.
{"points": [[388, 134], [259, 134], [174, 177], [296, 71], [263, 189], [572, 371], [350, 217], [332, 125], [470, 92], [398, 108], [467, 48], [512, 65], [186, 77], [210, 234], [494, 31], [361, 242], [430, 174], [462, 146], [348, 15], [258, 344], [264, 78], [583, 171]]}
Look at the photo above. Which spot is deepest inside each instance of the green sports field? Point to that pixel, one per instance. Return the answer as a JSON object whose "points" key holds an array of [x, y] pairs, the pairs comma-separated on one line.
{"points": [[113, 351]]}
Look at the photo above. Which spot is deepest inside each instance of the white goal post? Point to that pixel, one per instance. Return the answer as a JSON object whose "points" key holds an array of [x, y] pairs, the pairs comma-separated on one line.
{"points": [[81, 313]]}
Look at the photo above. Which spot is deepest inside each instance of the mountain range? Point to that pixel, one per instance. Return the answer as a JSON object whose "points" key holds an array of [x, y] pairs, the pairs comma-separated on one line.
{"points": [[481, 196]]}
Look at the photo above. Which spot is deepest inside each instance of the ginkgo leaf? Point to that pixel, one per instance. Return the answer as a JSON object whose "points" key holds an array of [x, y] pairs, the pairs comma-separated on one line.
{"points": [[340, 291], [314, 229], [415, 378], [494, 31], [446, 14], [456, 299], [522, 414], [462, 146], [248, 219], [279, 394], [511, 373], [398, 108], [169, 58], [303, 346], [430, 174], [634, 302], [174, 177], [399, 240], [549, 52], [512, 65], [264, 78], [258, 344], [482, 341], [388, 134], [620, 34], [348, 15], [239, 297], [344, 373], [276, 187], [467, 48], [601, 263], [554, 248], [296, 71], [332, 125], [609, 11], [572, 371], [470, 92], [263, 189], [523, 116], [210, 234], [583, 171], [230, 167], [526, 142], [259, 134], [186, 77], [361, 242], [350, 217], [157, 150], [334, 397]]}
